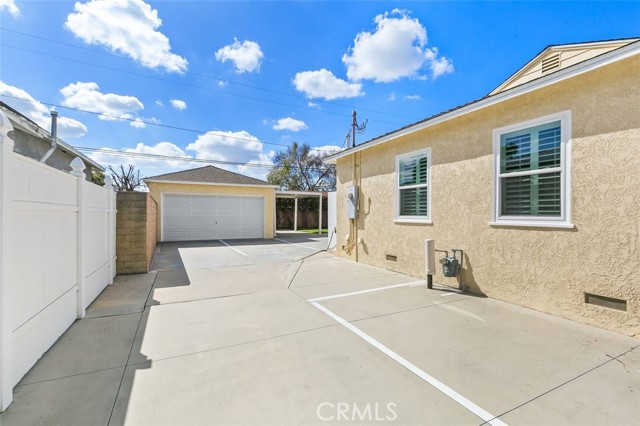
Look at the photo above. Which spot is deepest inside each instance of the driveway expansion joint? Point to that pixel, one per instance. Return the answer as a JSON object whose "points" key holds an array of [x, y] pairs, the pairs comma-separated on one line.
{"points": [[584, 373]]}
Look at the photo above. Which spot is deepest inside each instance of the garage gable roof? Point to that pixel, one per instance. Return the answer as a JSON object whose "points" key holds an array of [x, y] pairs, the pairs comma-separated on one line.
{"points": [[208, 175]]}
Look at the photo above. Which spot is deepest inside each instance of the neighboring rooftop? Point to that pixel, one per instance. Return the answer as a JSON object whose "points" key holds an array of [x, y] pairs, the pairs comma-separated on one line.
{"points": [[25, 124], [207, 174]]}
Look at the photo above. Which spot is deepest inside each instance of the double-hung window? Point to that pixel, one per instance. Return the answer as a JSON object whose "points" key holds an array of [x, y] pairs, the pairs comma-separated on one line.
{"points": [[413, 193], [532, 172]]}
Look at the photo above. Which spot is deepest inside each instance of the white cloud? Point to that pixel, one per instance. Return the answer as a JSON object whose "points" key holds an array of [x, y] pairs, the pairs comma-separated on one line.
{"points": [[290, 124], [412, 97], [326, 149], [159, 103], [10, 6], [178, 104], [147, 166], [323, 84], [394, 50], [215, 145], [246, 56], [240, 147], [138, 124], [126, 26], [222, 84], [39, 113], [141, 123], [440, 66], [392, 97], [314, 105], [87, 96]]}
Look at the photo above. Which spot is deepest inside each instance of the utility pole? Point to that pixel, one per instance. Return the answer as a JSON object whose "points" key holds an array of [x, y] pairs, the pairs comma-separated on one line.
{"points": [[354, 124], [356, 127]]}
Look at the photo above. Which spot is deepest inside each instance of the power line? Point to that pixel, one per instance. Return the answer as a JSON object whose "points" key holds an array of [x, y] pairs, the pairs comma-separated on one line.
{"points": [[143, 155], [151, 123], [195, 86], [197, 74], [115, 153]]}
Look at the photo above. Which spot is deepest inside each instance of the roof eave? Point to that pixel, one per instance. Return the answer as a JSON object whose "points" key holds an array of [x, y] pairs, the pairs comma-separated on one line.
{"points": [[624, 52], [182, 182], [39, 132]]}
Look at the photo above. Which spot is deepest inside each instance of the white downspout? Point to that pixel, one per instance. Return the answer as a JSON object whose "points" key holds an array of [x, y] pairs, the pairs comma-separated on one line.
{"points": [[54, 136]]}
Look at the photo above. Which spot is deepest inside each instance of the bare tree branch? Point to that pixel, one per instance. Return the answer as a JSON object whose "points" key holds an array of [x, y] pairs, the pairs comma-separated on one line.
{"points": [[126, 180]]}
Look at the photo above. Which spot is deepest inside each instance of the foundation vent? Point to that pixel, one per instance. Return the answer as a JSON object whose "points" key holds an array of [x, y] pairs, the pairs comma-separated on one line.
{"points": [[551, 63], [606, 302], [392, 258]]}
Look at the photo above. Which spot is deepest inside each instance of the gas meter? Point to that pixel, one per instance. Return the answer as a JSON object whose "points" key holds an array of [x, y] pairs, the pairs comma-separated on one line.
{"points": [[450, 266]]}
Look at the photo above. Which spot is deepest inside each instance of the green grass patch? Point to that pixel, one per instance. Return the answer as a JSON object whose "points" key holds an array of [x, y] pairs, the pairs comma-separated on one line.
{"points": [[313, 230]]}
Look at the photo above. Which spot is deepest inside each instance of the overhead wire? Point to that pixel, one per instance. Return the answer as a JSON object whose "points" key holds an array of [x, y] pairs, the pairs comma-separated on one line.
{"points": [[219, 80], [173, 127], [150, 123], [143, 155]]}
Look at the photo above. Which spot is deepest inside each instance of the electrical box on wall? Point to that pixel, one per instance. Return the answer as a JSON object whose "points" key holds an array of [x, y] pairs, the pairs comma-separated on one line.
{"points": [[352, 202]]}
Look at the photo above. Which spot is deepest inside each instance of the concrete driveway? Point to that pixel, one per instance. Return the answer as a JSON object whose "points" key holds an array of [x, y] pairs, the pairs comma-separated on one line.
{"points": [[280, 333]]}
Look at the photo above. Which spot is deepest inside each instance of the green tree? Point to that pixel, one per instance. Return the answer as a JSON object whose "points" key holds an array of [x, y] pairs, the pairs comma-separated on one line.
{"points": [[98, 178], [299, 168]]}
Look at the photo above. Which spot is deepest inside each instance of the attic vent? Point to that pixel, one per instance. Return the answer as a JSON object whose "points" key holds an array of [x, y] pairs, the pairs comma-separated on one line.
{"points": [[551, 63], [392, 258]]}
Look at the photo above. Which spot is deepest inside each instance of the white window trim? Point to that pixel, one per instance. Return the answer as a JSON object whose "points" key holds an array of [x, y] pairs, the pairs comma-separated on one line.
{"points": [[564, 221], [413, 219]]}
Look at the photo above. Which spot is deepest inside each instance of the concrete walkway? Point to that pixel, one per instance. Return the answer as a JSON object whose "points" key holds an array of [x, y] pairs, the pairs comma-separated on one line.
{"points": [[279, 333]]}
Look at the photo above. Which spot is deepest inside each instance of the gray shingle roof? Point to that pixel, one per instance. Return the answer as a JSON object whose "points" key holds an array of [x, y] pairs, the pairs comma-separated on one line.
{"points": [[209, 174]]}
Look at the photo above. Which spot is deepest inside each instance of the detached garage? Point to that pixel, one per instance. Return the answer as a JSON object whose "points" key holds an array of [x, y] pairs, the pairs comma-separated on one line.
{"points": [[209, 203]]}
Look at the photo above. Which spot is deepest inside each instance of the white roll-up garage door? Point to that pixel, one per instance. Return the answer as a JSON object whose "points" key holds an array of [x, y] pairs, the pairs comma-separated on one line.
{"points": [[211, 217]]}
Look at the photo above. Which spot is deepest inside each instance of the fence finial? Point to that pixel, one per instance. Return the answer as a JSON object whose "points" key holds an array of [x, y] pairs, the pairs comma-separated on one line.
{"points": [[5, 128], [108, 182], [77, 166]]}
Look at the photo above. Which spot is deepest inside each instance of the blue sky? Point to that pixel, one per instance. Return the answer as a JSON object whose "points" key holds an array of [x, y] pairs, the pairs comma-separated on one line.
{"points": [[242, 80]]}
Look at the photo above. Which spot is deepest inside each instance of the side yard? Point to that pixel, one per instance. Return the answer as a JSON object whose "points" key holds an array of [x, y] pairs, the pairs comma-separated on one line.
{"points": [[277, 332]]}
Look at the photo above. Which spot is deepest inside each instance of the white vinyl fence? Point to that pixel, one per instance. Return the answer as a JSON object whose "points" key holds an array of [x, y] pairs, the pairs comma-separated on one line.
{"points": [[57, 253]]}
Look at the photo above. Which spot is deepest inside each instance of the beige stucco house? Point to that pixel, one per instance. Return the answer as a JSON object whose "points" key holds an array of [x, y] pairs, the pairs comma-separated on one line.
{"points": [[538, 183], [209, 203]]}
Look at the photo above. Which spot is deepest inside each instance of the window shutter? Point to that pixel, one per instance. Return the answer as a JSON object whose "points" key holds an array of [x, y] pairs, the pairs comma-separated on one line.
{"points": [[532, 150], [414, 202], [413, 186], [549, 148], [549, 195], [516, 153], [413, 171], [516, 196]]}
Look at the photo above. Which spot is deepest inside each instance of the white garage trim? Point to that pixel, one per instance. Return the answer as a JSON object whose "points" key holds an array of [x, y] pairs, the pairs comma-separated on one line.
{"points": [[211, 216], [184, 182]]}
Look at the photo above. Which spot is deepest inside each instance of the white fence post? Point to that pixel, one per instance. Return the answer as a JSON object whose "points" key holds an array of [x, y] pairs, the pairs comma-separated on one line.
{"points": [[111, 240], [6, 204], [77, 166]]}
